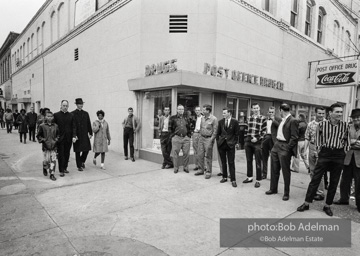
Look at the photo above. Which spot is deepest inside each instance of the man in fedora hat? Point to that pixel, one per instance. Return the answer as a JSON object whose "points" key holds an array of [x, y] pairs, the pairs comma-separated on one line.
{"points": [[82, 133], [351, 163]]}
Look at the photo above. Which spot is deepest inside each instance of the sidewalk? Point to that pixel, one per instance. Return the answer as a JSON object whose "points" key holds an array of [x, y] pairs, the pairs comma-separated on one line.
{"points": [[137, 208]]}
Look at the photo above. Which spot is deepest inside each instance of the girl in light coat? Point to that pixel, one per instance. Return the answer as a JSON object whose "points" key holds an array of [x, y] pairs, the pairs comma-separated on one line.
{"points": [[102, 137]]}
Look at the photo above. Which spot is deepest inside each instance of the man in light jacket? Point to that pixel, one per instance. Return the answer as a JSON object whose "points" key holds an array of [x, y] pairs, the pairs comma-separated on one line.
{"points": [[131, 125]]}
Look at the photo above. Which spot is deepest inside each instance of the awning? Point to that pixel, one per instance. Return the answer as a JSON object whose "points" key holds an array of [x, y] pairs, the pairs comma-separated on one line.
{"points": [[217, 84], [24, 100]]}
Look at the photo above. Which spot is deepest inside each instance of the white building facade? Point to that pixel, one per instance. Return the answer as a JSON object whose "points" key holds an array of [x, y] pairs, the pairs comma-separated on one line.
{"points": [[148, 54]]}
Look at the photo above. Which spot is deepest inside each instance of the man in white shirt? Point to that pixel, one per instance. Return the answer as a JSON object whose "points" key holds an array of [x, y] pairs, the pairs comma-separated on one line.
{"points": [[284, 148], [196, 136]]}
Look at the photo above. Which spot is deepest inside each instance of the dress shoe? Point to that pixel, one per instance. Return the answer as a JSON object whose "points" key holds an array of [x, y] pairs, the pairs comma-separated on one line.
{"points": [[328, 211], [303, 207], [247, 180], [358, 208], [52, 177], [198, 173], [133, 159], [257, 184], [186, 170], [44, 172], [233, 183], [176, 170], [286, 197], [102, 168], [264, 177], [169, 166], [318, 198], [219, 174], [338, 202], [126, 158], [66, 171], [208, 176], [196, 168], [294, 170], [94, 161], [62, 174], [270, 192], [223, 180], [83, 165], [163, 166], [80, 169], [308, 169]]}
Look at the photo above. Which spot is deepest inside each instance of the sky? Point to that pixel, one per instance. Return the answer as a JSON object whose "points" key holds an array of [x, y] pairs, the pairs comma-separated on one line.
{"points": [[15, 15]]}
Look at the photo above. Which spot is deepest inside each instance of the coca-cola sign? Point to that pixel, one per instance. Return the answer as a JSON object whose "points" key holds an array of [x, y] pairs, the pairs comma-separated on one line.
{"points": [[336, 78], [337, 74]]}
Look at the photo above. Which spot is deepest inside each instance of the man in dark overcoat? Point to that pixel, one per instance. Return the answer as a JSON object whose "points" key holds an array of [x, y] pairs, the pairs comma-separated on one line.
{"points": [[82, 133], [65, 122]]}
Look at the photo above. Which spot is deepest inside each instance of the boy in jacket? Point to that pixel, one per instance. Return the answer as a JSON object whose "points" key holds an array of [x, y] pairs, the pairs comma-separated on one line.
{"points": [[48, 135]]}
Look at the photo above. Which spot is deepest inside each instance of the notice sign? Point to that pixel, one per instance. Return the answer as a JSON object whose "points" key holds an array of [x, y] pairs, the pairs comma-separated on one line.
{"points": [[337, 74], [83, 10]]}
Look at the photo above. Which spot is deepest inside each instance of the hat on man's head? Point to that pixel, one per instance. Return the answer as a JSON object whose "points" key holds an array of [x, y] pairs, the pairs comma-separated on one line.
{"points": [[355, 112], [79, 101]]}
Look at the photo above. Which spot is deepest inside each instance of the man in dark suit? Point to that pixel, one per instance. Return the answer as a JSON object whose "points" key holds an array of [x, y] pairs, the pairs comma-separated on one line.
{"points": [[165, 139], [31, 120], [227, 137], [82, 133], [284, 148], [65, 122], [269, 140]]}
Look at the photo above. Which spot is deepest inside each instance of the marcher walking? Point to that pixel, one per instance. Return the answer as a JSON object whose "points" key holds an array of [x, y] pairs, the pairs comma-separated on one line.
{"points": [[131, 125], [23, 125], [332, 140], [82, 133], [65, 122], [49, 135], [2, 122], [16, 114], [9, 120], [165, 139], [101, 138], [31, 120]]}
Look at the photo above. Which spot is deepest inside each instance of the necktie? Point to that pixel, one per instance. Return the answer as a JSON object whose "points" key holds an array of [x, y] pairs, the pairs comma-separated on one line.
{"points": [[227, 124]]}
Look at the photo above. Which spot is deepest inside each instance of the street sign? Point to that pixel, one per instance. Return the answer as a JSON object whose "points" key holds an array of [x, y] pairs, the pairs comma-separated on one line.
{"points": [[344, 73]]}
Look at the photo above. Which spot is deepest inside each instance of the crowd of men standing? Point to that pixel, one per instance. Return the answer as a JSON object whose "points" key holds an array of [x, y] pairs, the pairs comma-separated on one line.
{"points": [[334, 148]]}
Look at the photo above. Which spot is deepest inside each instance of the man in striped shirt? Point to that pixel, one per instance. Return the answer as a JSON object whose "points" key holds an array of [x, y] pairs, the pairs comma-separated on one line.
{"points": [[332, 141], [255, 132]]}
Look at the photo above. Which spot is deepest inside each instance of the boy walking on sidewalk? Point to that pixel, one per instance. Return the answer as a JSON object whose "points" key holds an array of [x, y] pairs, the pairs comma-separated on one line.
{"points": [[48, 135]]}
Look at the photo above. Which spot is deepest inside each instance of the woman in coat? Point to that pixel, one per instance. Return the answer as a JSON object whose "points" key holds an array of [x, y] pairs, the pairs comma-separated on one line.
{"points": [[102, 137], [23, 125]]}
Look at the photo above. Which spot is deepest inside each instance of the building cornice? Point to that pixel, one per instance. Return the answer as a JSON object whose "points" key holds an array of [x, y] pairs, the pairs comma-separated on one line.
{"points": [[38, 13], [282, 24], [8, 41], [92, 20], [343, 10]]}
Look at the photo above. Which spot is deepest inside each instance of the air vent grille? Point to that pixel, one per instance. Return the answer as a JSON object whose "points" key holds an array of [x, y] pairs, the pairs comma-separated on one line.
{"points": [[178, 23]]}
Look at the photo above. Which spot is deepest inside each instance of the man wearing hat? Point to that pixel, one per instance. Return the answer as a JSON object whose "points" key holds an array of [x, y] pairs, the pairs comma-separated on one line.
{"points": [[351, 163], [82, 133]]}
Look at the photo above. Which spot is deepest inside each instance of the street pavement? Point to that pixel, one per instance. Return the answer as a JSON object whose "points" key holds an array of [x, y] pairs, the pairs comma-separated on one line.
{"points": [[136, 208]]}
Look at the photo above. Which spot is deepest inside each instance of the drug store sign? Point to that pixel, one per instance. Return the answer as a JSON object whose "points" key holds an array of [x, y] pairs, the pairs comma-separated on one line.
{"points": [[345, 73]]}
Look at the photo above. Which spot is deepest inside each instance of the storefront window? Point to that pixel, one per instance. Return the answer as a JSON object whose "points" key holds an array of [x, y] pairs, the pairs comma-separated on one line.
{"points": [[231, 104], [189, 100], [152, 109], [243, 110]]}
